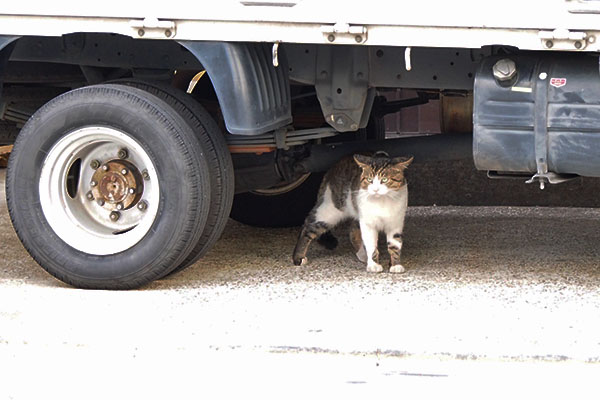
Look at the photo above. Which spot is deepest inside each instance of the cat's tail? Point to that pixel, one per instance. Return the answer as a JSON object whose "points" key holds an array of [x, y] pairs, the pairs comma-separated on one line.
{"points": [[328, 241]]}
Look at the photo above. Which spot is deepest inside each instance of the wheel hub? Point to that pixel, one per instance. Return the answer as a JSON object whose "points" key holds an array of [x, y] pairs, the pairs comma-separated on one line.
{"points": [[117, 185]]}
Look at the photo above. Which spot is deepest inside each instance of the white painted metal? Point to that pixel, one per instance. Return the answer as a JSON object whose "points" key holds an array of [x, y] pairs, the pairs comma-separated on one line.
{"points": [[80, 222], [435, 23]]}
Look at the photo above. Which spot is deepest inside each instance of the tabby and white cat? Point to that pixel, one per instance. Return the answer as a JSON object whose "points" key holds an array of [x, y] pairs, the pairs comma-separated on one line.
{"points": [[372, 191]]}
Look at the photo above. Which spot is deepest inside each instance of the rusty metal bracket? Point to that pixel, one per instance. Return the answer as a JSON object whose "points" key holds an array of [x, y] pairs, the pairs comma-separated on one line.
{"points": [[153, 28], [343, 33], [564, 39]]}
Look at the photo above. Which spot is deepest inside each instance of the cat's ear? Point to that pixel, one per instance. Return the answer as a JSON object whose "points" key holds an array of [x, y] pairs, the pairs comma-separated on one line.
{"points": [[362, 160], [402, 162]]}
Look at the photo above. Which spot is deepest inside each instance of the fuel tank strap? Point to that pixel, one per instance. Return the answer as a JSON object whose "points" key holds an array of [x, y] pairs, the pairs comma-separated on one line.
{"points": [[540, 127]]}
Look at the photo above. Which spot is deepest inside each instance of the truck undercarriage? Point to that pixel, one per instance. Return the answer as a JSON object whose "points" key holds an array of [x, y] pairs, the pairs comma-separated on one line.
{"points": [[131, 151]]}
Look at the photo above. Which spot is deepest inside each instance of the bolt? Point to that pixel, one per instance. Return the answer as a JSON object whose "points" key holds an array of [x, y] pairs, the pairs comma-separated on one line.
{"points": [[145, 175], [549, 44], [120, 206], [131, 190], [354, 127], [95, 164], [504, 70], [90, 195], [331, 38], [93, 183], [141, 32], [578, 45], [358, 38], [114, 216], [124, 171], [122, 154], [142, 205], [592, 39], [168, 33], [100, 202], [105, 168]]}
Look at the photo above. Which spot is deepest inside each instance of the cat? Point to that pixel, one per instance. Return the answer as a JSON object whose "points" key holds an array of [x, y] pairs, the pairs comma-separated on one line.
{"points": [[371, 190]]}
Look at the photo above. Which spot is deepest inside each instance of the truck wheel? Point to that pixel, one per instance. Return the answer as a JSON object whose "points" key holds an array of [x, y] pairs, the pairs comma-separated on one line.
{"points": [[220, 166], [107, 187], [281, 206]]}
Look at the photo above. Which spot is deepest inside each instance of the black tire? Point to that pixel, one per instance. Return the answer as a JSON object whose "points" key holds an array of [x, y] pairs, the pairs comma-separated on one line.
{"points": [[286, 209], [182, 187], [220, 166]]}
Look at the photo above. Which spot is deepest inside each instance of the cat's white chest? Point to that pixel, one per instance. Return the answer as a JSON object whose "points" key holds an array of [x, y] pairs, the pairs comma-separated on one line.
{"points": [[383, 211]]}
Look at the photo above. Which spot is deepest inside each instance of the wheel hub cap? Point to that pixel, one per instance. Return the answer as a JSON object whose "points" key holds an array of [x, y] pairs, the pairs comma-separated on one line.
{"points": [[119, 185]]}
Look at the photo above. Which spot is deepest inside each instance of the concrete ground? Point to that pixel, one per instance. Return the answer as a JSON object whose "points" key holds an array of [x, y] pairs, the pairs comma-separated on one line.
{"points": [[496, 302]]}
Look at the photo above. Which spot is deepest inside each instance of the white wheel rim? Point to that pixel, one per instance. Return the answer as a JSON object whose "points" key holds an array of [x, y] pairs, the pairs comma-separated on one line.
{"points": [[84, 222]]}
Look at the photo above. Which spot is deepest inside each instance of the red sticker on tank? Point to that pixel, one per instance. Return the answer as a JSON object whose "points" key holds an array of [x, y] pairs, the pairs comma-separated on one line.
{"points": [[558, 82]]}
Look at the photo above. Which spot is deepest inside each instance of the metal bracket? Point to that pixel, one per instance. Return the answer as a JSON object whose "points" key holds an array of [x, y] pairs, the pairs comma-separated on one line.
{"points": [[564, 39], [342, 85], [540, 124], [551, 177], [153, 28], [275, 54], [343, 33], [280, 138]]}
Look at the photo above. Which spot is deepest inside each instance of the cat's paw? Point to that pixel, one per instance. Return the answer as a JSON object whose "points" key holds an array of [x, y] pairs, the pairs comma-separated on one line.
{"points": [[397, 269], [362, 255], [300, 261], [374, 268]]}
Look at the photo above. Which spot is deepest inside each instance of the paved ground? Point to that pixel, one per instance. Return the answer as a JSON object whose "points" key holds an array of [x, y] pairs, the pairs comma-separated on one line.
{"points": [[496, 302]]}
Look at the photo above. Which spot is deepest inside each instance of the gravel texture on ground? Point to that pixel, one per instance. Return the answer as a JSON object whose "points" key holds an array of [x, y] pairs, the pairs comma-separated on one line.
{"points": [[491, 287]]}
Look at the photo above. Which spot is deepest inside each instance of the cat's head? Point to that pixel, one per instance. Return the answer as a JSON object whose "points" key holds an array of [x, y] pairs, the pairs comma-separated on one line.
{"points": [[382, 174]]}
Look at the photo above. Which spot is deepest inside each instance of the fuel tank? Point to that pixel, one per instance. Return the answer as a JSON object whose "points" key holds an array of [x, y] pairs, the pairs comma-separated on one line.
{"points": [[538, 113]]}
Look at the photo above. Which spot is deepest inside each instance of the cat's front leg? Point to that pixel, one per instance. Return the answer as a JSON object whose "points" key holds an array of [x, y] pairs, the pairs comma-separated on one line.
{"points": [[394, 243], [369, 238], [356, 241]]}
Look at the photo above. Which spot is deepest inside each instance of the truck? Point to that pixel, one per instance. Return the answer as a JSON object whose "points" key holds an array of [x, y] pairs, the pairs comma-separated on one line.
{"points": [[138, 131]]}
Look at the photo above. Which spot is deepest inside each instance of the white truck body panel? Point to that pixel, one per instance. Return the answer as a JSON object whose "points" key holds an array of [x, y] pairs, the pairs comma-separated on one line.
{"points": [[465, 23]]}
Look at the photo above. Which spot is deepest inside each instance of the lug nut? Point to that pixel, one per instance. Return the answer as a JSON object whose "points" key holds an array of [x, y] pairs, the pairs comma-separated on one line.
{"points": [[90, 195], [142, 205], [124, 171], [145, 175], [93, 183], [100, 202], [123, 153], [114, 216], [94, 164]]}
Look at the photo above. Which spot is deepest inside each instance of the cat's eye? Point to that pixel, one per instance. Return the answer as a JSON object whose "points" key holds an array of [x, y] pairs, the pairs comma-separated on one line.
{"points": [[370, 180], [384, 180]]}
